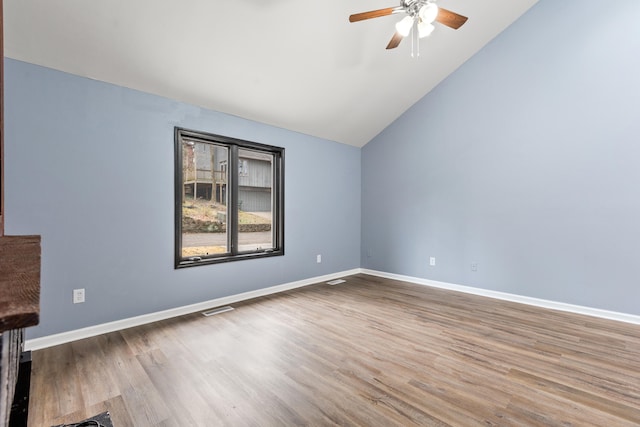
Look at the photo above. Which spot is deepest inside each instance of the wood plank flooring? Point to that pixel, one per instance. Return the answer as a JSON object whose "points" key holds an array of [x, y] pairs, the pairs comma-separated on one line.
{"points": [[369, 352]]}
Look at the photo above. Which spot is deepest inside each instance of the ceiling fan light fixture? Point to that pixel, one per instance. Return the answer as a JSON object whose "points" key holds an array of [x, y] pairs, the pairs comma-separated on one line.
{"points": [[425, 29], [429, 12], [404, 26]]}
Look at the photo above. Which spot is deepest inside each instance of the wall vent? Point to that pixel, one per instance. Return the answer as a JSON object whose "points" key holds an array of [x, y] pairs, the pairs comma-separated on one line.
{"points": [[217, 311]]}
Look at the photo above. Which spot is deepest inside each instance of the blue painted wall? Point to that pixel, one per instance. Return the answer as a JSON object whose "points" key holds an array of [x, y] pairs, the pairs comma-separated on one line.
{"points": [[90, 168], [525, 160]]}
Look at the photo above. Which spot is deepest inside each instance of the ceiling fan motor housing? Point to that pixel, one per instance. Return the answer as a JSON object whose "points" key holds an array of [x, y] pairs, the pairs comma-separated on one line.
{"points": [[412, 7]]}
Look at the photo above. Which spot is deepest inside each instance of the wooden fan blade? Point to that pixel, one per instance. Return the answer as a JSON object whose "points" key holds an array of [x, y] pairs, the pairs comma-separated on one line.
{"points": [[450, 19], [372, 14], [395, 41]]}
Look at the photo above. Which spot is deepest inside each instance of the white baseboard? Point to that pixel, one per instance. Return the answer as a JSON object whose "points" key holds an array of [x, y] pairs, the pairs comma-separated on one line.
{"points": [[78, 334], [554, 305], [56, 339]]}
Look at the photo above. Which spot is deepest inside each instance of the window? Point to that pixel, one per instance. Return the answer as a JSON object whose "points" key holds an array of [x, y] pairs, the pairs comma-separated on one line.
{"points": [[226, 213]]}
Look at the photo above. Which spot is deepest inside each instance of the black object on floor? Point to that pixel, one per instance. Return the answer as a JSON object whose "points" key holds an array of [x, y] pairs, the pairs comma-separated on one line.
{"points": [[20, 406], [100, 420]]}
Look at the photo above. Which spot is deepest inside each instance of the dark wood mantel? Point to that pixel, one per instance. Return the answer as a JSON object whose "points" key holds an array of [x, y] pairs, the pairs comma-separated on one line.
{"points": [[19, 282]]}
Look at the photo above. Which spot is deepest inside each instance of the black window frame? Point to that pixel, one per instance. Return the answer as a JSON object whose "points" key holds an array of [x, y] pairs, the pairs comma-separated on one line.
{"points": [[233, 145]]}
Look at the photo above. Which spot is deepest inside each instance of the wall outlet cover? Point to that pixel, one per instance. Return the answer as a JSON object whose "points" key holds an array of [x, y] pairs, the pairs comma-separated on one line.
{"points": [[78, 296]]}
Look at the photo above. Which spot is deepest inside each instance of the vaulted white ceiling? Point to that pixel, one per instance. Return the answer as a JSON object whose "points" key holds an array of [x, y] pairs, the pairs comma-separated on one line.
{"points": [[295, 64]]}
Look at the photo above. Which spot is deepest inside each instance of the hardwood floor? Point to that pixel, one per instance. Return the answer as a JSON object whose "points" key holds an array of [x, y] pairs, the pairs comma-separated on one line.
{"points": [[369, 352]]}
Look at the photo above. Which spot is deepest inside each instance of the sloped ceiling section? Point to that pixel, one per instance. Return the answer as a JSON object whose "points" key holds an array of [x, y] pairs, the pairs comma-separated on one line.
{"points": [[298, 65]]}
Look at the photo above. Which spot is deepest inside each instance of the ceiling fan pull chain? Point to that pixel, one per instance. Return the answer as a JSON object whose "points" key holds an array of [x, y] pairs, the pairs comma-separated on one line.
{"points": [[416, 36], [415, 40], [413, 43]]}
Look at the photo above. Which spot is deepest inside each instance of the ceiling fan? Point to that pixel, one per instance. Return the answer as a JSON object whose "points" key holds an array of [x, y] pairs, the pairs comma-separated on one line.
{"points": [[420, 13]]}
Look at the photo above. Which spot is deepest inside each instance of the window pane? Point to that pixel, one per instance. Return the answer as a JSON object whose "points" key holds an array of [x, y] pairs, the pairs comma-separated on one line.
{"points": [[255, 200], [229, 199], [204, 199]]}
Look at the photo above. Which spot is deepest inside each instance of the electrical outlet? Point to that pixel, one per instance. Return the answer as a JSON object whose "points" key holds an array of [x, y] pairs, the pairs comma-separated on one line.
{"points": [[318, 259], [474, 266], [78, 296], [432, 261]]}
